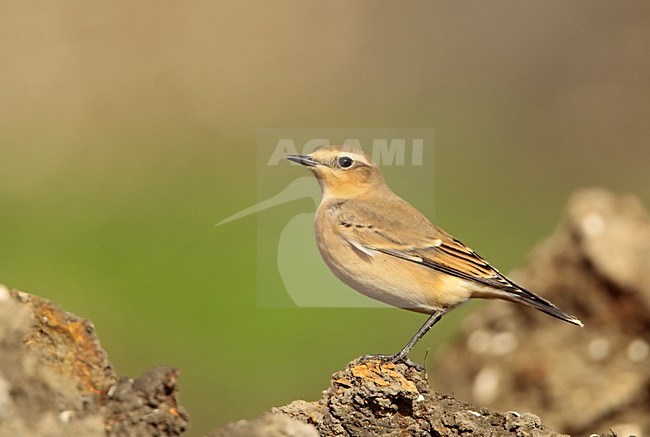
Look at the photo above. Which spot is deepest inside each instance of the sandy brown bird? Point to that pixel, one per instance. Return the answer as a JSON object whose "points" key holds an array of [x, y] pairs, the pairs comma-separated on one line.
{"points": [[383, 247]]}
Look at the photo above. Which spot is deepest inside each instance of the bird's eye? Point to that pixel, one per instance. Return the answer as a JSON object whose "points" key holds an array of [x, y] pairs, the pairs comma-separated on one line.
{"points": [[345, 161]]}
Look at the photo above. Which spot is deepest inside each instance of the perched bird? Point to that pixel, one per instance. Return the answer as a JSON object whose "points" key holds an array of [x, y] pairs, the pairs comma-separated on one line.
{"points": [[380, 245]]}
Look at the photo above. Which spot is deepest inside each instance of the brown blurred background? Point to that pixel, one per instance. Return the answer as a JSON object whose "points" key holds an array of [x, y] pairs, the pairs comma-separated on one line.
{"points": [[127, 130]]}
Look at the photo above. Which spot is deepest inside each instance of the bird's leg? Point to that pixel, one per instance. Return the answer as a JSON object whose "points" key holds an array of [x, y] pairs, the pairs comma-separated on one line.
{"points": [[401, 356], [432, 320]]}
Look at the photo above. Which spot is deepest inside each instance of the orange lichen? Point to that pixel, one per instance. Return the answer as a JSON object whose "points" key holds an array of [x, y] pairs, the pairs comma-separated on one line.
{"points": [[379, 373], [68, 344]]}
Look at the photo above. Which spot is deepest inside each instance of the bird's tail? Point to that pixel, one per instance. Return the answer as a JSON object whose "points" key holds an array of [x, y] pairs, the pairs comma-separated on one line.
{"points": [[519, 294]]}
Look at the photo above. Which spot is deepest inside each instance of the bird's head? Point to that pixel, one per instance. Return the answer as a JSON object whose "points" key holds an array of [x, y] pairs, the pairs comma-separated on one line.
{"points": [[342, 171]]}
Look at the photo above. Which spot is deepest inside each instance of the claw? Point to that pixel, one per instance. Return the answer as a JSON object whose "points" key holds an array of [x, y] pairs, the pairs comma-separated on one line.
{"points": [[396, 358]]}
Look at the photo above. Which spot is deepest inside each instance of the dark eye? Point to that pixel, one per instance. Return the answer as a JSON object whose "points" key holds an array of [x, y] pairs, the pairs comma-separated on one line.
{"points": [[345, 161]]}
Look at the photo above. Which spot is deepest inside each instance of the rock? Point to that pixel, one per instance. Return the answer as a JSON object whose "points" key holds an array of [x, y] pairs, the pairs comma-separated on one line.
{"points": [[580, 381], [269, 425], [374, 398], [55, 379]]}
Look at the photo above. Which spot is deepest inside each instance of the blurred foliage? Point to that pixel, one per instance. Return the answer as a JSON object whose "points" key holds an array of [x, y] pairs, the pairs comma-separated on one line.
{"points": [[129, 130]]}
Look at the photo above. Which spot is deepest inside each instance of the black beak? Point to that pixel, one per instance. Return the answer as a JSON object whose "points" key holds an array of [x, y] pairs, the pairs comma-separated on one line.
{"points": [[305, 160]]}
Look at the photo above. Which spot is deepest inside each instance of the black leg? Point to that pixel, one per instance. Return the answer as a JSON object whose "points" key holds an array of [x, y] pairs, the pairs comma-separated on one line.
{"points": [[401, 356], [432, 320]]}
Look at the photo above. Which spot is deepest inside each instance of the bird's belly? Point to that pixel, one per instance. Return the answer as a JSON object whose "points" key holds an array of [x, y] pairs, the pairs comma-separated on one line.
{"points": [[393, 280]]}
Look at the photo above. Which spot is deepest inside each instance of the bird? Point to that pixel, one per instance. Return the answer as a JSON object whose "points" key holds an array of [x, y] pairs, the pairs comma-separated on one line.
{"points": [[383, 247]]}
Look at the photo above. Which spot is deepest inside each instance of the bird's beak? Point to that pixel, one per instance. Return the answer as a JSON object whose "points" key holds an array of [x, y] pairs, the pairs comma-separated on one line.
{"points": [[305, 160]]}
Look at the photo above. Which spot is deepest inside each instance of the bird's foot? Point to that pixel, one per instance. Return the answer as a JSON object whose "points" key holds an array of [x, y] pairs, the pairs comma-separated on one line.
{"points": [[395, 358]]}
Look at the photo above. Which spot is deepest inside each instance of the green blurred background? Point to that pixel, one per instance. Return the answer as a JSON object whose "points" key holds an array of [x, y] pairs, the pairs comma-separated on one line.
{"points": [[127, 130]]}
